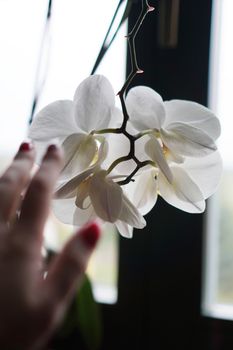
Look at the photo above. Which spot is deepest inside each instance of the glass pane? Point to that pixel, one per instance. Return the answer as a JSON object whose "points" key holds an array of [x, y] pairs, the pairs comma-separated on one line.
{"points": [[76, 35], [218, 292]]}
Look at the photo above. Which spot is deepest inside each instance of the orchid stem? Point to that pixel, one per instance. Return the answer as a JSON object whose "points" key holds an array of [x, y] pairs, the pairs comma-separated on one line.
{"points": [[133, 58], [122, 130], [118, 161], [143, 133], [139, 166], [107, 131]]}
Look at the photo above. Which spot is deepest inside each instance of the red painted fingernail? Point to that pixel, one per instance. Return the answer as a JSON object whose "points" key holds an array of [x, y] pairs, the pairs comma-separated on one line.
{"points": [[25, 147], [52, 148], [90, 235]]}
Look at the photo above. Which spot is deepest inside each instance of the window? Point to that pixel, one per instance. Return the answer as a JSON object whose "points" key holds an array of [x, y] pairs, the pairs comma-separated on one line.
{"points": [[218, 298], [69, 52], [160, 268]]}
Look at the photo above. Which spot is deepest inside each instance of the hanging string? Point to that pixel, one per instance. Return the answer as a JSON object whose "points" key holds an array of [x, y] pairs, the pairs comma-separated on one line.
{"points": [[109, 37], [40, 77]]}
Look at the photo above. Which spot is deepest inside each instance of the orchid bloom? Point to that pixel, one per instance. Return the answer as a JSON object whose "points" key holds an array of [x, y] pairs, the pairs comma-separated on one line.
{"points": [[118, 162], [70, 123], [182, 145], [173, 154], [193, 181], [91, 194], [185, 128]]}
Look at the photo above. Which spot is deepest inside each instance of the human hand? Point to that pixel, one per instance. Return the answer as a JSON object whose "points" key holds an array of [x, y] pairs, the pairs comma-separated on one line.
{"points": [[32, 306]]}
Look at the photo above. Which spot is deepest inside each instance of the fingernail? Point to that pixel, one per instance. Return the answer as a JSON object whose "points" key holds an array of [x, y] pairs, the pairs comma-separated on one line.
{"points": [[90, 235], [25, 147], [52, 148]]}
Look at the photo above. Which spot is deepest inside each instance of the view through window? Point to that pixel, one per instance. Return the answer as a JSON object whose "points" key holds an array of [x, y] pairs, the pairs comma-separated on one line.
{"points": [[76, 34], [218, 284]]}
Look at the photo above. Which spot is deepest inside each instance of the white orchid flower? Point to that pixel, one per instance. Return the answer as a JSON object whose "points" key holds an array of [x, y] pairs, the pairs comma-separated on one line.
{"points": [[193, 181], [184, 128], [175, 144], [70, 123], [93, 194], [82, 179]]}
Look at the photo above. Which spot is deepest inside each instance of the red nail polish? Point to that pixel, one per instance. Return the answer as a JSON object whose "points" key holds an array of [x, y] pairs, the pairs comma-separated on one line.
{"points": [[52, 148], [25, 147], [90, 235]]}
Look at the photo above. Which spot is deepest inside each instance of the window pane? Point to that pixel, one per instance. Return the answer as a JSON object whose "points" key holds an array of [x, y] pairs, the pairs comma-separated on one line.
{"points": [[76, 35], [218, 294]]}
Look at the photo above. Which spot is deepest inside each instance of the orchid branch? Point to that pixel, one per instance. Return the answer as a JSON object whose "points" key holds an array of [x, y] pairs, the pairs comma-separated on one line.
{"points": [[146, 8], [107, 131], [133, 57], [131, 42], [118, 161], [139, 166]]}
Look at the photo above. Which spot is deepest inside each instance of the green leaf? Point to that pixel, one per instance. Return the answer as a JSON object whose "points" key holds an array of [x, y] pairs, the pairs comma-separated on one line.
{"points": [[88, 316], [83, 318]]}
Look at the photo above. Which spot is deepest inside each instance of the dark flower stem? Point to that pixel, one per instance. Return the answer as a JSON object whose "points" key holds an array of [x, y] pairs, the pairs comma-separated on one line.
{"points": [[133, 57], [122, 130]]}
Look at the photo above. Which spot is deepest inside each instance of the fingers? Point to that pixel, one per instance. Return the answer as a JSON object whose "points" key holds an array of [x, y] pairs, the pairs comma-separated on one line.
{"points": [[35, 207], [66, 272], [14, 181]]}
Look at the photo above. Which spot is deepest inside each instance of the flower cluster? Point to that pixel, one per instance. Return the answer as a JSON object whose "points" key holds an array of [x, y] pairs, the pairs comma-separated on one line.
{"points": [[115, 168]]}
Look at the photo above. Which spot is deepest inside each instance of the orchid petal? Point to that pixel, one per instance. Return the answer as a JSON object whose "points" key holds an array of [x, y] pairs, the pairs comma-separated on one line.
{"points": [[119, 146], [103, 150], [82, 195], [130, 214], [183, 194], [83, 216], [68, 188], [140, 146], [67, 212], [64, 209], [106, 197], [186, 140], [143, 191], [205, 171], [94, 101], [116, 118], [155, 152], [124, 229], [53, 121], [79, 152], [145, 108], [174, 157], [194, 114]]}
